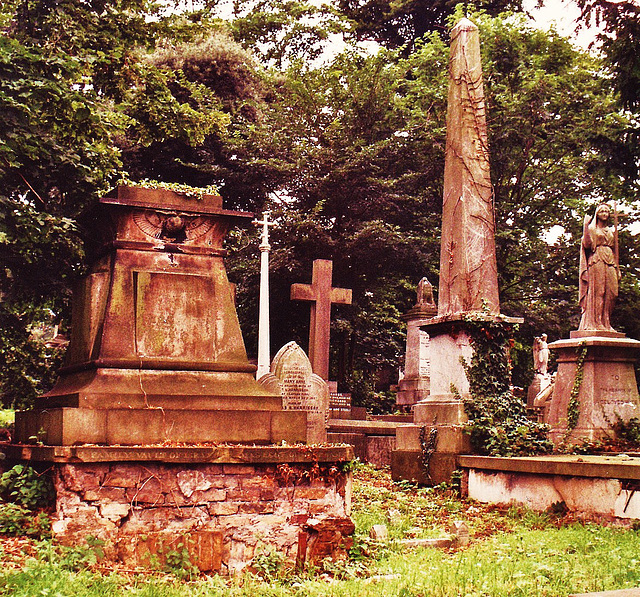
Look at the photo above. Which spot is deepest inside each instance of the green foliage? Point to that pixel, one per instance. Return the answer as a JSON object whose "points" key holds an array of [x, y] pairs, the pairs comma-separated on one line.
{"points": [[18, 521], [267, 562], [7, 417], [81, 556], [497, 423], [178, 561], [25, 486], [513, 552], [627, 431], [573, 407]]}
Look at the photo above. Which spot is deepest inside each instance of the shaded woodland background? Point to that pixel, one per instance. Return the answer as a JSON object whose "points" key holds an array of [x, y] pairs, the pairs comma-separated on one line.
{"points": [[347, 152]]}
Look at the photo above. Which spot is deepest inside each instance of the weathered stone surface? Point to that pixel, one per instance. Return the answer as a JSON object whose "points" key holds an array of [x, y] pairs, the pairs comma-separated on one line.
{"points": [[460, 530], [442, 543], [379, 532], [156, 354], [608, 389], [468, 271], [417, 361], [204, 548], [601, 486], [220, 512]]}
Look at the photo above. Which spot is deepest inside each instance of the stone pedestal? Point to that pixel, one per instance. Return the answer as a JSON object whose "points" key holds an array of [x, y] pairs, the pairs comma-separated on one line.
{"points": [[417, 364], [442, 408], [608, 389], [157, 361]]}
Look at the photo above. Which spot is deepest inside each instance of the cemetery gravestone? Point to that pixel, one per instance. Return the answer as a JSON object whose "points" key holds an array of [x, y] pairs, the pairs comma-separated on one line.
{"points": [[302, 390], [468, 272], [322, 295], [417, 365]]}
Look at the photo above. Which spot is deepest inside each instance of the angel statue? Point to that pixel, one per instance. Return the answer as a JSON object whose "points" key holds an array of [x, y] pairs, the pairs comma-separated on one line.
{"points": [[540, 354], [599, 270]]}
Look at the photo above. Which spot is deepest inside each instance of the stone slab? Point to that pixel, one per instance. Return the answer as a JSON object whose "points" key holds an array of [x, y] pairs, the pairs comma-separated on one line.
{"points": [[407, 465], [615, 467], [69, 426], [130, 385], [618, 593], [451, 438], [366, 427], [301, 389], [439, 411], [379, 449], [440, 543], [184, 454], [595, 496], [358, 441]]}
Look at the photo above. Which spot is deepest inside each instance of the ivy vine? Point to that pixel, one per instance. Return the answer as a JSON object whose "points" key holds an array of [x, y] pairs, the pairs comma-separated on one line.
{"points": [[190, 192], [497, 419], [573, 408]]}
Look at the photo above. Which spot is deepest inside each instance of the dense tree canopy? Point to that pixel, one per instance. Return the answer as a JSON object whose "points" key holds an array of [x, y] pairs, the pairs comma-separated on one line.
{"points": [[347, 153]]}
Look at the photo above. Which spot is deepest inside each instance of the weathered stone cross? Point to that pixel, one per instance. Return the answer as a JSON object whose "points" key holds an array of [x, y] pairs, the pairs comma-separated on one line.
{"points": [[322, 296]]}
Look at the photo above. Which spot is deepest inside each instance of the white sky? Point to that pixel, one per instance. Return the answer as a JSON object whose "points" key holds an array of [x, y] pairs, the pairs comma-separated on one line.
{"points": [[563, 15]]}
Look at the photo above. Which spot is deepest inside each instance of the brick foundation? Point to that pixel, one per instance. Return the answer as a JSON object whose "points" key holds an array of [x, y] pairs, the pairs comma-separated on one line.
{"points": [[221, 511]]}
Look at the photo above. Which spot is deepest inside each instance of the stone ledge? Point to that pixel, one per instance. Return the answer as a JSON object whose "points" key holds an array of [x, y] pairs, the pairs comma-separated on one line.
{"points": [[233, 454], [612, 467], [365, 427], [615, 342], [618, 593]]}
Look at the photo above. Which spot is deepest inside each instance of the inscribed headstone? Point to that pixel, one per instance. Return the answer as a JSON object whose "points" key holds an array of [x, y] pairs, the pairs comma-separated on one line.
{"points": [[301, 389]]}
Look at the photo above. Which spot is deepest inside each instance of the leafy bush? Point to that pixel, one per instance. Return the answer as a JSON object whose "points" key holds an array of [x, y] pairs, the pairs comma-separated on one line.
{"points": [[497, 424], [628, 431], [27, 487], [18, 521]]}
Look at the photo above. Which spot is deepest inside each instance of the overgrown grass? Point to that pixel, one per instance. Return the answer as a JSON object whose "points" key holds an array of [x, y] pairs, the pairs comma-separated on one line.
{"points": [[513, 552]]}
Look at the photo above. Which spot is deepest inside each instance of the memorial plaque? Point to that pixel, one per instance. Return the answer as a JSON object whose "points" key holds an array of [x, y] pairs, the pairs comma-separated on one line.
{"points": [[301, 389], [424, 364]]}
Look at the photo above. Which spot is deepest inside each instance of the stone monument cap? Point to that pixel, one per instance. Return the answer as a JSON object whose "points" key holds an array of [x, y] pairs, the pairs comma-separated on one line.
{"points": [[140, 196]]}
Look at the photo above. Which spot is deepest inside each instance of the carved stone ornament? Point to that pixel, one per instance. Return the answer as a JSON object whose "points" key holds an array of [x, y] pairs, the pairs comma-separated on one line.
{"points": [[171, 225]]}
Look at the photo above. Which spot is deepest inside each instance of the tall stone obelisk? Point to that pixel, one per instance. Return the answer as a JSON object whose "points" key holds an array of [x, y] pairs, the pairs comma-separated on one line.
{"points": [[468, 272]]}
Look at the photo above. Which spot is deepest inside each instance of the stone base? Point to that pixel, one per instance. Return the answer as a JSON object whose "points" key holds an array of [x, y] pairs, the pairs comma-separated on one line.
{"points": [[412, 390], [439, 410], [221, 503], [407, 459], [407, 465], [598, 486], [137, 426], [608, 389]]}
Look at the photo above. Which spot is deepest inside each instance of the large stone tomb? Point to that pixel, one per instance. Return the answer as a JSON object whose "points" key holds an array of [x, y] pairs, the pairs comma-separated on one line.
{"points": [[157, 431], [156, 352]]}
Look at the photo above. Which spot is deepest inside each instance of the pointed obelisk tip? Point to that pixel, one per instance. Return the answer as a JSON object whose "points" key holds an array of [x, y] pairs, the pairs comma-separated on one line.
{"points": [[463, 24]]}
